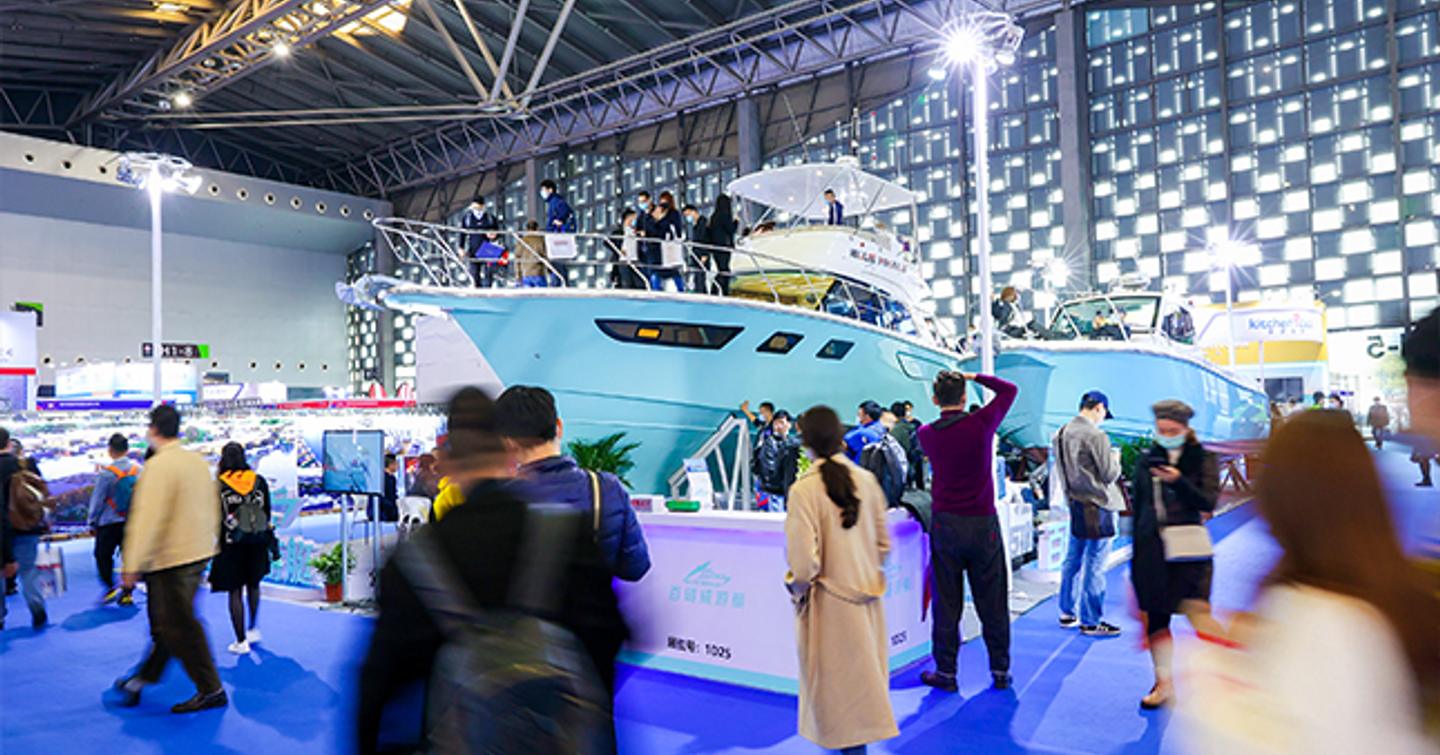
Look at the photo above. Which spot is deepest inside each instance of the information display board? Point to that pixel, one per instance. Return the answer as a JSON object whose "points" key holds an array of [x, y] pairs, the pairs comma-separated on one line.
{"points": [[354, 462]]}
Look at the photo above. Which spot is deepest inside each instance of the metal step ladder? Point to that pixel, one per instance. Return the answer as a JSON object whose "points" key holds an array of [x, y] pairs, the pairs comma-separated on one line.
{"points": [[736, 491]]}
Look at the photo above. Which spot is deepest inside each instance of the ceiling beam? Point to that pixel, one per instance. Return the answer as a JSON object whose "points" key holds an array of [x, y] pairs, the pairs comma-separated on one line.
{"points": [[222, 50]]}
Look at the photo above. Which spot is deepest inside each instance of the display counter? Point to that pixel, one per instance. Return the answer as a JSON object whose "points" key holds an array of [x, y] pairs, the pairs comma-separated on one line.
{"points": [[714, 604]]}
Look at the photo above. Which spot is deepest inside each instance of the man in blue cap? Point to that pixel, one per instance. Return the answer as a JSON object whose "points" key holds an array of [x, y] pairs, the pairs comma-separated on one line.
{"points": [[1085, 476]]}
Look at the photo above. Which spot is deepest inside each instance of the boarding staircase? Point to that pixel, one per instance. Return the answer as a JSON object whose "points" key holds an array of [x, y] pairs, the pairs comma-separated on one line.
{"points": [[726, 456]]}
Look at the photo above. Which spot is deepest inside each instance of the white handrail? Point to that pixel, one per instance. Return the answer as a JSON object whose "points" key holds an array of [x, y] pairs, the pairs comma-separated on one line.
{"points": [[446, 244]]}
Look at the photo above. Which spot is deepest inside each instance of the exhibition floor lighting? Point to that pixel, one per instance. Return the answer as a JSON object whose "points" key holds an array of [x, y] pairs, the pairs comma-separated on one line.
{"points": [[158, 175], [982, 41], [1226, 254]]}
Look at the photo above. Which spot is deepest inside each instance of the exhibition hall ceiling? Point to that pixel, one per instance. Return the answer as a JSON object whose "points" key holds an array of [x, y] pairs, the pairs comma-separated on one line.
{"points": [[368, 95]]}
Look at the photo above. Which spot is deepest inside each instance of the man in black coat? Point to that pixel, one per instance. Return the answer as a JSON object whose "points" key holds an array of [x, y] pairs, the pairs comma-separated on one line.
{"points": [[479, 220]]}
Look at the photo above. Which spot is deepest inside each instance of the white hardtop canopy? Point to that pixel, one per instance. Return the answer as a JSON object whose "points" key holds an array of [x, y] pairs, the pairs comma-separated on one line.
{"points": [[800, 189]]}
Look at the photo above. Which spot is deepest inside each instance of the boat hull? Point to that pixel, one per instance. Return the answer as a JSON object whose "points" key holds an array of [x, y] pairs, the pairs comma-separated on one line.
{"points": [[670, 399], [1053, 377]]}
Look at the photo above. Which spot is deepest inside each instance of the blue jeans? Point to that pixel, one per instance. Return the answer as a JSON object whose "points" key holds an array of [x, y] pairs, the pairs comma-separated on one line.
{"points": [[535, 281], [658, 278], [1087, 556], [27, 548]]}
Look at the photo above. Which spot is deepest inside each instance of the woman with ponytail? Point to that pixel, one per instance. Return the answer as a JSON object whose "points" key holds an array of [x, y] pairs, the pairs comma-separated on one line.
{"points": [[836, 541]]}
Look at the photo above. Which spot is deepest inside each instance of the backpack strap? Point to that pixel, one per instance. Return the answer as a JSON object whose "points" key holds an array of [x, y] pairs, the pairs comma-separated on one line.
{"points": [[594, 504]]}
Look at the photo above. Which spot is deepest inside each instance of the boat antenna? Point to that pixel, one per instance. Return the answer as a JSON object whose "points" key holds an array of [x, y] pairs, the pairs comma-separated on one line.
{"points": [[795, 124]]}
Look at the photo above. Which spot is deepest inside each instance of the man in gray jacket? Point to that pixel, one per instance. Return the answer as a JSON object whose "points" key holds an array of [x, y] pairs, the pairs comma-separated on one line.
{"points": [[1087, 469]]}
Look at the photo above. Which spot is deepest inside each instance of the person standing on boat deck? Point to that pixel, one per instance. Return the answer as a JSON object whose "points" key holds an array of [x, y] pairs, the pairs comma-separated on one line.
{"points": [[624, 246], [964, 530], [666, 226], [559, 218], [484, 235], [836, 542], [834, 211], [722, 240], [697, 231], [532, 268], [1008, 317]]}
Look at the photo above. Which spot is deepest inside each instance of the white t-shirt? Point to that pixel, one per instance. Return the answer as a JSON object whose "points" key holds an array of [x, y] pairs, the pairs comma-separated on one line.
{"points": [[1324, 673]]}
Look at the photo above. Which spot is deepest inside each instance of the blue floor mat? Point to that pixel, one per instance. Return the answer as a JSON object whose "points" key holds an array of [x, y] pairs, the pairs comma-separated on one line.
{"points": [[297, 692]]}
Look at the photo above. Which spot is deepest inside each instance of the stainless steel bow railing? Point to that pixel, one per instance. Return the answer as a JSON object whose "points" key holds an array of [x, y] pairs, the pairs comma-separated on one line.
{"points": [[438, 252]]}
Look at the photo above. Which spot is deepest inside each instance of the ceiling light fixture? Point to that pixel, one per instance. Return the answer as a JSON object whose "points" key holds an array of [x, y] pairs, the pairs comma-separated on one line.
{"points": [[281, 49], [182, 100]]}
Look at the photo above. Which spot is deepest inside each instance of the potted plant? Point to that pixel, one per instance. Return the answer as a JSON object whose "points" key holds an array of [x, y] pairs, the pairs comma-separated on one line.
{"points": [[608, 454], [331, 568]]}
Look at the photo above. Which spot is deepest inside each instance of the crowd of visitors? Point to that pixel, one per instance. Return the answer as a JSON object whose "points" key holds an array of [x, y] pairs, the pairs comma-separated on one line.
{"points": [[1341, 651], [656, 244]]}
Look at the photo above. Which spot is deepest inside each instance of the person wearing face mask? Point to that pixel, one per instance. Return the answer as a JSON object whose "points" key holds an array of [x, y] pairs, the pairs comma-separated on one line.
{"points": [[697, 231], [480, 245], [667, 227], [559, 218], [648, 252], [1086, 470], [1176, 485], [170, 535]]}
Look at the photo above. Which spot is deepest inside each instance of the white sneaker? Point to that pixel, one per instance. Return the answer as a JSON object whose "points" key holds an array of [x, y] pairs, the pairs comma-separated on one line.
{"points": [[239, 648], [253, 637]]}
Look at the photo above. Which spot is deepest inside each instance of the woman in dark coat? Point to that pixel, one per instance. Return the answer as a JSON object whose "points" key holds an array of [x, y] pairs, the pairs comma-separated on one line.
{"points": [[247, 542], [1176, 484], [722, 237]]}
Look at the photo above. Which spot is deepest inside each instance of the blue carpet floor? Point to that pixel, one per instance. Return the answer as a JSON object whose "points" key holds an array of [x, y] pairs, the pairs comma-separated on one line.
{"points": [[295, 694]]}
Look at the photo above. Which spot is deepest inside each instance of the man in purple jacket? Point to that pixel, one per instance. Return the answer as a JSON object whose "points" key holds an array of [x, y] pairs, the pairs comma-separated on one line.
{"points": [[965, 532]]}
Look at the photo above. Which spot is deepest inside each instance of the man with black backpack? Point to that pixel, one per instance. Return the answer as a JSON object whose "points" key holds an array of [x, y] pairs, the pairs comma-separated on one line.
{"points": [[885, 458], [109, 506], [501, 607]]}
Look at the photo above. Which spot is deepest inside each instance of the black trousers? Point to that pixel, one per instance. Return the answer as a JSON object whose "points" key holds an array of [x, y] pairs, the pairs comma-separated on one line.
{"points": [[969, 547], [108, 538], [174, 630]]}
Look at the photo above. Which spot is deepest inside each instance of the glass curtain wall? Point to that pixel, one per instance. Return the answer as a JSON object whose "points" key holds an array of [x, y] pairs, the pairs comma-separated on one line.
{"points": [[1287, 123]]}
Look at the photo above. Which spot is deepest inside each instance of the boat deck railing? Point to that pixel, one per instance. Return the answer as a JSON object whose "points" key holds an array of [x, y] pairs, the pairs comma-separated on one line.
{"points": [[437, 253]]}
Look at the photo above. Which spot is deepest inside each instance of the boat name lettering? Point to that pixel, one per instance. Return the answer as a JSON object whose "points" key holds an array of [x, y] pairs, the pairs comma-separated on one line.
{"points": [[875, 258]]}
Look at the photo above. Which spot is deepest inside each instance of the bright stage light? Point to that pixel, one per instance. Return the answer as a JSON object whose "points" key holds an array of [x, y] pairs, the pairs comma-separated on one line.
{"points": [[1229, 253], [964, 45], [1057, 273], [280, 49], [183, 100]]}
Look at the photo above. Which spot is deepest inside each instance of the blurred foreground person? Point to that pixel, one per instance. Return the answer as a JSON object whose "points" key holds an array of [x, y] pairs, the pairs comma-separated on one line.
{"points": [[1343, 653], [169, 536], [836, 542], [492, 606], [1177, 483]]}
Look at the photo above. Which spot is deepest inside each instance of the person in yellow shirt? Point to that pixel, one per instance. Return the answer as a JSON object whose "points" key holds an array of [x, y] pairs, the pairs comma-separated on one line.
{"points": [[450, 496]]}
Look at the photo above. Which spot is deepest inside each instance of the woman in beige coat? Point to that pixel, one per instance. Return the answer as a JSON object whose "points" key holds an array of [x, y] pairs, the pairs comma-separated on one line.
{"points": [[836, 541]]}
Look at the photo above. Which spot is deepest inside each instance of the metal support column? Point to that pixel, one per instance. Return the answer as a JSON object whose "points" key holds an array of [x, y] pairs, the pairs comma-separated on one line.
{"points": [[1075, 181], [532, 192], [385, 328]]}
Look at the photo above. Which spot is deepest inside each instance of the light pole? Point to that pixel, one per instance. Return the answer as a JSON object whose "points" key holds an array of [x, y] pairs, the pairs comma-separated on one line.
{"points": [[156, 174], [1225, 255], [983, 41]]}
